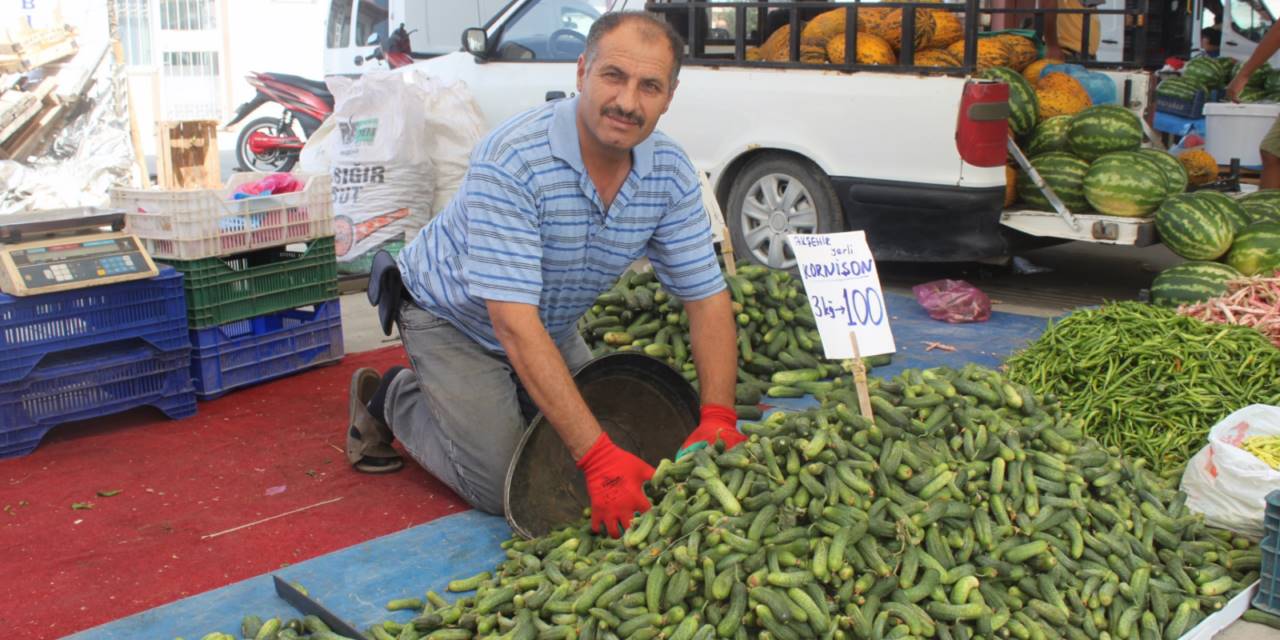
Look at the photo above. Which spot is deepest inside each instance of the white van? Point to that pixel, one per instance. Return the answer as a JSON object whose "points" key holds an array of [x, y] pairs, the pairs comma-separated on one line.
{"points": [[354, 26]]}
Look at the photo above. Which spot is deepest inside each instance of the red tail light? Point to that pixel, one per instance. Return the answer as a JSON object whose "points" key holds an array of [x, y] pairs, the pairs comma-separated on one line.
{"points": [[983, 125]]}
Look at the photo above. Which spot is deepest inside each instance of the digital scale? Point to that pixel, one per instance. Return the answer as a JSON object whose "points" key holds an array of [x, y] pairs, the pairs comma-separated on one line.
{"points": [[62, 249]]}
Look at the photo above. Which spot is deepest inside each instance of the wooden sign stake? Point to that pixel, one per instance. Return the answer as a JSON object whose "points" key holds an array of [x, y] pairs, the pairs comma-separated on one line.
{"points": [[860, 378]]}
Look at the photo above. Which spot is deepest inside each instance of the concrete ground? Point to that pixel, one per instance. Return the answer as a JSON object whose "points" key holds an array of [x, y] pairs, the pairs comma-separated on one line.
{"points": [[1079, 274]]}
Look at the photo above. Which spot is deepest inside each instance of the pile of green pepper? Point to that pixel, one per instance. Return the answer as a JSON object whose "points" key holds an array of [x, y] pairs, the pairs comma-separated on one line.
{"points": [[1147, 380]]}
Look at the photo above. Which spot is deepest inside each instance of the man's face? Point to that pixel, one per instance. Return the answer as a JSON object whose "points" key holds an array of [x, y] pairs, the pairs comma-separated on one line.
{"points": [[626, 88]]}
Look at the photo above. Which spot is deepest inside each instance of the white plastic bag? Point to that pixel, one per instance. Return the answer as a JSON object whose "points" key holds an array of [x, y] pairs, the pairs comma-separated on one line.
{"points": [[456, 125], [383, 180], [1228, 484], [314, 157]]}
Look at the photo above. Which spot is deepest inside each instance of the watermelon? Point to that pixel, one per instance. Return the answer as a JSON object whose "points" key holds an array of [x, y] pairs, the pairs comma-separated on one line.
{"points": [[1261, 210], [1258, 79], [1262, 201], [1175, 174], [1191, 282], [1256, 249], [1024, 107], [1125, 183], [1064, 173], [1049, 135], [1228, 207], [1193, 228], [1205, 72], [1180, 88], [1255, 94], [1102, 129]]}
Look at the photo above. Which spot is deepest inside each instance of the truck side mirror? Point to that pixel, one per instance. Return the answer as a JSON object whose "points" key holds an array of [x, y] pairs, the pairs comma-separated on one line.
{"points": [[475, 41]]}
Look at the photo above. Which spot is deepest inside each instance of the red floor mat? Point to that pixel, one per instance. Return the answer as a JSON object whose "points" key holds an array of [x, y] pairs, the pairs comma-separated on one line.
{"points": [[252, 454]]}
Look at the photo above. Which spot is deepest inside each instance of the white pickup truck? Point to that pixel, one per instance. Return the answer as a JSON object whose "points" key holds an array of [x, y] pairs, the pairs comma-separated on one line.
{"points": [[917, 160]]}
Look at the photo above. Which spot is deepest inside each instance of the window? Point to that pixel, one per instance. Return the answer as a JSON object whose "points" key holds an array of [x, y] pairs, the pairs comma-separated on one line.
{"points": [[134, 17], [371, 18], [551, 30], [338, 32], [1250, 19], [187, 15]]}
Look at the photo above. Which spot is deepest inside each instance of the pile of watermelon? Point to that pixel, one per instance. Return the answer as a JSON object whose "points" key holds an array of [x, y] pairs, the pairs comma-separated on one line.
{"points": [[1206, 74], [1094, 161], [1243, 234]]}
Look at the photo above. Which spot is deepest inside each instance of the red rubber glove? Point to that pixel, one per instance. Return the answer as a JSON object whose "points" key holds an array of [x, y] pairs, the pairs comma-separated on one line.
{"points": [[718, 423], [615, 482]]}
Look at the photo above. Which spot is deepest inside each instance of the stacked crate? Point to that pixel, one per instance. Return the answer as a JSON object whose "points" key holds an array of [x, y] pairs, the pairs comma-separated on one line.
{"points": [[1268, 598], [261, 276], [91, 352]]}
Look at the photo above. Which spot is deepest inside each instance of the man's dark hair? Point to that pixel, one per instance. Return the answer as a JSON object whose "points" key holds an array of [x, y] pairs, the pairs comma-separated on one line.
{"points": [[1214, 36], [648, 23]]}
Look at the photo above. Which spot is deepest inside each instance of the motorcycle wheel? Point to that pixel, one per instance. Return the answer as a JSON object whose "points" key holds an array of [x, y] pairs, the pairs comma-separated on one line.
{"points": [[271, 161]]}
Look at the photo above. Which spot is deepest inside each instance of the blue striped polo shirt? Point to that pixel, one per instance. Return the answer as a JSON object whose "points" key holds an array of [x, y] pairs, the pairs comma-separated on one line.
{"points": [[527, 225]]}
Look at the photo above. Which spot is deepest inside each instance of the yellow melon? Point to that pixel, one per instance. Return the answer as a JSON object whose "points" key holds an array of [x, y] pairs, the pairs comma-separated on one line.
{"points": [[1033, 70], [936, 58], [887, 23], [1022, 51], [991, 52], [1061, 95], [1201, 166], [872, 49], [774, 48], [948, 27]]}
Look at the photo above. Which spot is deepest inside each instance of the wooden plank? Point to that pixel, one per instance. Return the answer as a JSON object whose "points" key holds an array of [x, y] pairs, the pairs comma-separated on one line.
{"points": [[187, 154], [20, 119]]}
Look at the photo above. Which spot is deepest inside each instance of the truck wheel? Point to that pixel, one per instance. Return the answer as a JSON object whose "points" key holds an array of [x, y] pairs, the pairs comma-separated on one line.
{"points": [[776, 195]]}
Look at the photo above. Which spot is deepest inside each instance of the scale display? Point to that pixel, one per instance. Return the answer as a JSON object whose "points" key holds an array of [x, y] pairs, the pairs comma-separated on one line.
{"points": [[60, 264]]}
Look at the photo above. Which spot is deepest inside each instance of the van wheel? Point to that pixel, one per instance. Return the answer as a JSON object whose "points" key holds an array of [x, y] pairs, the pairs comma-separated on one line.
{"points": [[776, 195]]}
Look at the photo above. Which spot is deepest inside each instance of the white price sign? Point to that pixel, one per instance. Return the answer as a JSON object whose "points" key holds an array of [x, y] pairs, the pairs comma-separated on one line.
{"points": [[843, 288]]}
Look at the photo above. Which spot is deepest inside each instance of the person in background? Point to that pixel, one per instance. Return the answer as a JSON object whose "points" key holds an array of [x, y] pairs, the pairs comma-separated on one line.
{"points": [[1270, 145], [1210, 39], [1064, 34]]}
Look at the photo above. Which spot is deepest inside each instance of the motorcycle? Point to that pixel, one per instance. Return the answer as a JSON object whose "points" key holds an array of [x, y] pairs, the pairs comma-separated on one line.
{"points": [[271, 144]]}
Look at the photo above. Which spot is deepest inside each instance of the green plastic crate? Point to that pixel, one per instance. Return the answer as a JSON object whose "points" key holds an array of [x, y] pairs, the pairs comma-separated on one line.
{"points": [[244, 285]]}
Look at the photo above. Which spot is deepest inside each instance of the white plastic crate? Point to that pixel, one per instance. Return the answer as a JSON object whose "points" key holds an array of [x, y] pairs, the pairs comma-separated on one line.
{"points": [[203, 223]]}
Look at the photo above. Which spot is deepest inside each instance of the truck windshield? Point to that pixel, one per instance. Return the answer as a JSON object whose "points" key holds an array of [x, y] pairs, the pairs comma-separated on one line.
{"points": [[1251, 18], [551, 30]]}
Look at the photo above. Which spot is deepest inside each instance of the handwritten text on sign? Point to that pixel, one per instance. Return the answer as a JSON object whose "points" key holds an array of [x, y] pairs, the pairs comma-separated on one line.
{"points": [[843, 287]]}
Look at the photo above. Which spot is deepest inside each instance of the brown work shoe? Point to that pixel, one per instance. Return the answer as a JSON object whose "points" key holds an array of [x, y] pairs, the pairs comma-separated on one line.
{"points": [[368, 439]]}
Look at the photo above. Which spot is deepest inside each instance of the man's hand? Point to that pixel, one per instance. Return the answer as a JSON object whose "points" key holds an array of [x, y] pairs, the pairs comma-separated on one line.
{"points": [[1236, 87], [615, 482], [718, 423]]}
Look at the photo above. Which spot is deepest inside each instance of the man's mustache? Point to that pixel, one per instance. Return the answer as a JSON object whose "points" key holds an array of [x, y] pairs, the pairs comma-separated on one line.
{"points": [[629, 116]]}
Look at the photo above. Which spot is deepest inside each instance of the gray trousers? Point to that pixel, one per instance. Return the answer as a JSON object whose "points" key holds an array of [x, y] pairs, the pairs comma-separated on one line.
{"points": [[461, 411]]}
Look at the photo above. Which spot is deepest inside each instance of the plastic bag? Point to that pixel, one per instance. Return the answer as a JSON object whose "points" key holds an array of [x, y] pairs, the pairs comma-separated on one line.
{"points": [[1228, 484], [274, 184], [953, 301], [380, 161], [1100, 87]]}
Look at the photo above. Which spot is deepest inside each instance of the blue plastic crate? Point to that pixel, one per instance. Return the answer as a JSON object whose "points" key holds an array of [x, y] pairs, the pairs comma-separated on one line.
{"points": [[1268, 598], [32, 327], [1271, 517], [246, 352], [89, 383]]}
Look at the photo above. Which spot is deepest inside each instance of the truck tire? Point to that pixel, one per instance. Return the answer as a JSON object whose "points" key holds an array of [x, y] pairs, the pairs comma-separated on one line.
{"points": [[773, 196]]}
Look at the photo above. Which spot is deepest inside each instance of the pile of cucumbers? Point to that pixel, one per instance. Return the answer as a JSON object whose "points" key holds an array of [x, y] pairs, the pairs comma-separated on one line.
{"points": [[968, 507], [778, 341]]}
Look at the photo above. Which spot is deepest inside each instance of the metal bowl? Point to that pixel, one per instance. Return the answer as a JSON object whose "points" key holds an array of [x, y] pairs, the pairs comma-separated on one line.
{"points": [[644, 405]]}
